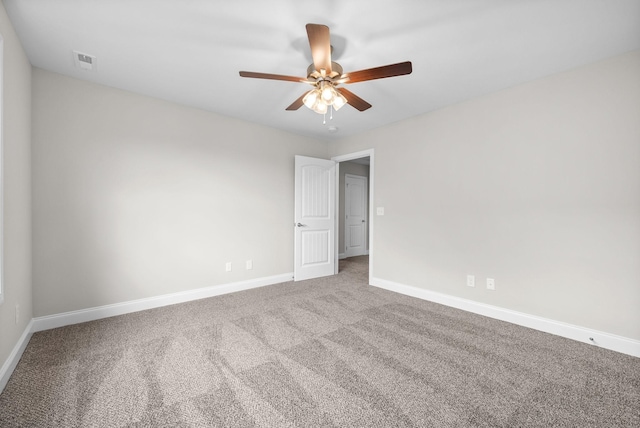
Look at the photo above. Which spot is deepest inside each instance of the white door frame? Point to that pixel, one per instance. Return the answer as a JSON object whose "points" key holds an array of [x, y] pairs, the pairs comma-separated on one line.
{"points": [[343, 158]]}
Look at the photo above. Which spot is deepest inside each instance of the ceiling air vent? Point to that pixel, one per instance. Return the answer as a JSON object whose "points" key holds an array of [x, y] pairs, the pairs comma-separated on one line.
{"points": [[84, 61]]}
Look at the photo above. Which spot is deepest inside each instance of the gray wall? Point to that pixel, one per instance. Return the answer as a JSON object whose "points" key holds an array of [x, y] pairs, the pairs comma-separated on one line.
{"points": [[537, 186], [16, 238], [355, 169], [136, 197]]}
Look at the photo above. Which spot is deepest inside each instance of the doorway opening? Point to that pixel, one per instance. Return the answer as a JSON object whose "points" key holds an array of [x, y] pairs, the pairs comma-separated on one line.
{"points": [[354, 217]]}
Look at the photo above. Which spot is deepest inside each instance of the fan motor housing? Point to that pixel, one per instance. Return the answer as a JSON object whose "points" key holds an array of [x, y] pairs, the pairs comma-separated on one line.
{"points": [[336, 70]]}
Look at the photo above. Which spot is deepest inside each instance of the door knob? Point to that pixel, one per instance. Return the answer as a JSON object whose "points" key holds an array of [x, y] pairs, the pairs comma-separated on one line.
{"points": [[363, 221], [301, 225]]}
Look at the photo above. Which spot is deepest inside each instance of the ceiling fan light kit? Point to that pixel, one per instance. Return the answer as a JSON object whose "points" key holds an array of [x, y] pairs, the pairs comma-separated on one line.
{"points": [[325, 76], [320, 98]]}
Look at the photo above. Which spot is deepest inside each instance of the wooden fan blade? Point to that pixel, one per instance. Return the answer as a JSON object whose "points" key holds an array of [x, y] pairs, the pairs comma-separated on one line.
{"points": [[297, 103], [391, 70], [320, 43], [273, 76], [354, 100]]}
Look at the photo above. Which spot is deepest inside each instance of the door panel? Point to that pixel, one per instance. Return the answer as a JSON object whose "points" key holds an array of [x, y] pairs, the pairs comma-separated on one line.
{"points": [[314, 247], [355, 215], [356, 236]]}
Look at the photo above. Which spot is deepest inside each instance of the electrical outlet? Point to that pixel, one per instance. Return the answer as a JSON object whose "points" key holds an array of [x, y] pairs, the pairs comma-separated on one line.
{"points": [[491, 284], [249, 264], [228, 267], [471, 281]]}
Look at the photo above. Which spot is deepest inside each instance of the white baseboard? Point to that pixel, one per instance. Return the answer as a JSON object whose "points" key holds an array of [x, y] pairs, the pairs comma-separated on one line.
{"points": [[570, 331], [581, 334], [12, 361], [60, 320]]}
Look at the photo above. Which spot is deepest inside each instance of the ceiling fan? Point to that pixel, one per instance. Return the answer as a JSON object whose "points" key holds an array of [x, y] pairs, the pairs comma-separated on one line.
{"points": [[325, 76]]}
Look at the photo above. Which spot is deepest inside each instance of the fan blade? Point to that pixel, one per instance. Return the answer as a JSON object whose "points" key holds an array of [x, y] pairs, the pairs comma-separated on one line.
{"points": [[354, 100], [273, 77], [320, 43], [391, 70], [297, 103]]}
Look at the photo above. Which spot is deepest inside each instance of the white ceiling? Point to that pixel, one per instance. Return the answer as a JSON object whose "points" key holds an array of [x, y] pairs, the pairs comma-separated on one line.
{"points": [[190, 52]]}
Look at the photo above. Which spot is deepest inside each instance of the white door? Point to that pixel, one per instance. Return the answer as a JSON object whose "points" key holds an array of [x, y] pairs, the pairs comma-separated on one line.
{"points": [[314, 224], [355, 210]]}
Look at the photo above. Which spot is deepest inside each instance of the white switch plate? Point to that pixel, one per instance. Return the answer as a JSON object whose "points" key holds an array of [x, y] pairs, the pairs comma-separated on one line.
{"points": [[471, 280], [228, 267], [491, 284], [249, 264], [380, 210]]}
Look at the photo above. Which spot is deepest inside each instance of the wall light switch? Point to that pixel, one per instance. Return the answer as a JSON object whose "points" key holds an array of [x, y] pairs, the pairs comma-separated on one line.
{"points": [[380, 210], [249, 264], [228, 267], [491, 285]]}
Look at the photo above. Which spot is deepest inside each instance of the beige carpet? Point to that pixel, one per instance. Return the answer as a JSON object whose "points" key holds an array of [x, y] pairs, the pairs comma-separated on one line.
{"points": [[331, 352]]}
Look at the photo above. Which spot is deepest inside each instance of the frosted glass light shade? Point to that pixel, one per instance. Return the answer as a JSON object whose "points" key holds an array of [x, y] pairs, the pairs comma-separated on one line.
{"points": [[310, 99], [320, 107], [339, 101]]}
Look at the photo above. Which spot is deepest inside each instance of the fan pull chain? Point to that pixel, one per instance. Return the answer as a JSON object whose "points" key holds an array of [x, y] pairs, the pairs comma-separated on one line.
{"points": [[324, 118], [331, 117]]}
